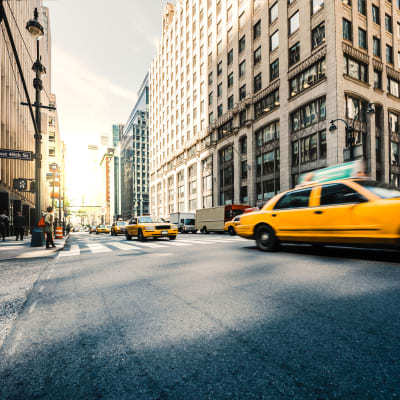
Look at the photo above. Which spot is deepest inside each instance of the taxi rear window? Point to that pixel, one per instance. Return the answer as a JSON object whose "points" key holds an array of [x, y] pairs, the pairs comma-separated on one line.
{"points": [[382, 190], [296, 199]]}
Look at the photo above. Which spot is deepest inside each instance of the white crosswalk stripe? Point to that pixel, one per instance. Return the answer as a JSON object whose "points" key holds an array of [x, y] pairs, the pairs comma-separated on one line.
{"points": [[123, 246], [97, 248], [74, 251]]}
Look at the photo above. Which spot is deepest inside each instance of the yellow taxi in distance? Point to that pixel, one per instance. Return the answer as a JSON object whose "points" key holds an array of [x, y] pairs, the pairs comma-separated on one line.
{"points": [[118, 228], [230, 226], [102, 229], [145, 227], [336, 205]]}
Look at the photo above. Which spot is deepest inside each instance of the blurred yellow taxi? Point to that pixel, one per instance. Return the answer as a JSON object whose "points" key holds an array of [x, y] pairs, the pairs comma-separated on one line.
{"points": [[230, 226], [118, 228], [144, 227], [335, 205], [102, 229]]}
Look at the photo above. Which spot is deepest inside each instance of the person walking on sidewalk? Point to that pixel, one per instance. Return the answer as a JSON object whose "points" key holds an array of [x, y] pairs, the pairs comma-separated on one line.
{"points": [[48, 228], [19, 226], [3, 225]]}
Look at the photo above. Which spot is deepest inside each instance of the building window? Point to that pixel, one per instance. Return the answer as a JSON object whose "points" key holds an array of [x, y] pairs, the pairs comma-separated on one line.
{"points": [[375, 14], [243, 145], [362, 38], [377, 79], [266, 104], [242, 92], [219, 68], [362, 7], [393, 87], [307, 78], [210, 78], [242, 68], [210, 98], [388, 23], [192, 172], [243, 169], [230, 80], [267, 134], [294, 22], [257, 30], [219, 110], [347, 33], [294, 54], [389, 54], [230, 57], [274, 70], [257, 83], [274, 41], [242, 43], [308, 115], [273, 13], [257, 55], [230, 102], [244, 198], [376, 42], [355, 69], [210, 118], [226, 175], [318, 35], [317, 5], [242, 117]]}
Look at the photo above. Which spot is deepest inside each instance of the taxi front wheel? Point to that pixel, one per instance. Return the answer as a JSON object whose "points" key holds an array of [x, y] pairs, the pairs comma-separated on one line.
{"points": [[266, 239]]}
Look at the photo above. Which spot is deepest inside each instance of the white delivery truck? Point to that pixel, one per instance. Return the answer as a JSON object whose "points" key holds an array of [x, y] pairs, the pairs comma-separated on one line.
{"points": [[184, 222]]}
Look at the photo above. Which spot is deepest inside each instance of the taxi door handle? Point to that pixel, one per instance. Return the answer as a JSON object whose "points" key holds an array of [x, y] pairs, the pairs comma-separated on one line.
{"points": [[274, 215], [318, 212]]}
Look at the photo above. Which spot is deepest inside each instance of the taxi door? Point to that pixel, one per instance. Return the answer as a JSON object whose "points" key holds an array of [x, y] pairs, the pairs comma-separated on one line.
{"points": [[337, 218], [290, 217], [134, 229]]}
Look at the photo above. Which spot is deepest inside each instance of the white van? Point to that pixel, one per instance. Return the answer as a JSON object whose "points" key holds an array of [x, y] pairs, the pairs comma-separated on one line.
{"points": [[184, 221]]}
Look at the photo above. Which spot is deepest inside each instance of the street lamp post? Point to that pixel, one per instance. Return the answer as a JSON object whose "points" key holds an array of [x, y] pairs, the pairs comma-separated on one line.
{"points": [[36, 30], [350, 129]]}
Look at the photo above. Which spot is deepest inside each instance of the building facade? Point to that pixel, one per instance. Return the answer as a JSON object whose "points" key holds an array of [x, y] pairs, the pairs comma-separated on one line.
{"points": [[241, 97], [17, 132], [117, 133], [134, 149]]}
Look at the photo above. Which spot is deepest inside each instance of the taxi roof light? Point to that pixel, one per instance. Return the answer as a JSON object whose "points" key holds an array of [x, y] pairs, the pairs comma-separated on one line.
{"points": [[353, 169]]}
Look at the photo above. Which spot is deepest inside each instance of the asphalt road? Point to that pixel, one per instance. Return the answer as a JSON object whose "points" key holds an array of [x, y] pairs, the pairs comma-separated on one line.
{"points": [[206, 317]]}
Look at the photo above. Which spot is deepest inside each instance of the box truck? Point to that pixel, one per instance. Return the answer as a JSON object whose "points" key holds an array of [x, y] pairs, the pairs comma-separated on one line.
{"points": [[184, 222]]}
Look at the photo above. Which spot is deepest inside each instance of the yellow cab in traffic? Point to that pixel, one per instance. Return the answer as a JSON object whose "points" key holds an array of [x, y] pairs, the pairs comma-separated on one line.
{"points": [[230, 226], [118, 228], [335, 205], [144, 227], [102, 229]]}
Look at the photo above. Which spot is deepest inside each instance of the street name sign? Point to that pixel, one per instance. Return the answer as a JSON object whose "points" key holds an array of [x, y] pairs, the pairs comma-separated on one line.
{"points": [[16, 154]]}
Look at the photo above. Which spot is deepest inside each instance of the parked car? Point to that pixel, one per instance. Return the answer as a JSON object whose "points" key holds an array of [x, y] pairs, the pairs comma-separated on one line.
{"points": [[92, 229]]}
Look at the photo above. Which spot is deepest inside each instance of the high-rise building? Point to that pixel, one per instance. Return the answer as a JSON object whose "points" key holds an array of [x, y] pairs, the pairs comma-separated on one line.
{"points": [[242, 94], [135, 158], [117, 133], [16, 130]]}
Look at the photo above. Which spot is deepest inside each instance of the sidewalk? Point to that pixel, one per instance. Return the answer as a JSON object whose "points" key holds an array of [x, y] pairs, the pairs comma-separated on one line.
{"points": [[13, 250]]}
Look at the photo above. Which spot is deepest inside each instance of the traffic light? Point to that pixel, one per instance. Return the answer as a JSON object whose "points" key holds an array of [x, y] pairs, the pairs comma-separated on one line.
{"points": [[20, 184]]}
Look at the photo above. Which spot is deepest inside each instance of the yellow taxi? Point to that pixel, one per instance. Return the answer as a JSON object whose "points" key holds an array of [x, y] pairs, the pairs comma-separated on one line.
{"points": [[231, 225], [335, 205], [118, 228], [102, 229], [144, 227]]}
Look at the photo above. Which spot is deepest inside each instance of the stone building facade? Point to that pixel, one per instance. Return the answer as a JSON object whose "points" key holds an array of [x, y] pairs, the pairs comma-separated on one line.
{"points": [[242, 93]]}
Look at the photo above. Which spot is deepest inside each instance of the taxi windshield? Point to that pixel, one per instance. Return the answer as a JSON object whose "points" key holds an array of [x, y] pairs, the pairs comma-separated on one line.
{"points": [[380, 189], [121, 223], [102, 226], [145, 220]]}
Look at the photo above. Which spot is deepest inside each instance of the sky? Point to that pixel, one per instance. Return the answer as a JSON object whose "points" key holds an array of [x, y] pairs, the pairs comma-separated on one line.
{"points": [[101, 51]]}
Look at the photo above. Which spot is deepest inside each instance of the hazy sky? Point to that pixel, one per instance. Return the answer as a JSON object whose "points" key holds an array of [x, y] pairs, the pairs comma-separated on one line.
{"points": [[101, 51]]}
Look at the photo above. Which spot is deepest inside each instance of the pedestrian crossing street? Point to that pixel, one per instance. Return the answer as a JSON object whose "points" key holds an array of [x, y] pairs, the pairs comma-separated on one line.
{"points": [[96, 245]]}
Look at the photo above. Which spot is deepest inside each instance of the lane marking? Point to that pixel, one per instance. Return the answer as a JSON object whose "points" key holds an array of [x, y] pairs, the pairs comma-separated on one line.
{"points": [[98, 248], [171, 243], [32, 307], [73, 251], [150, 245], [160, 254]]}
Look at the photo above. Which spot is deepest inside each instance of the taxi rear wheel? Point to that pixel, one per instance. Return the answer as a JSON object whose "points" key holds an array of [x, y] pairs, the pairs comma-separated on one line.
{"points": [[231, 231], [266, 239], [128, 237]]}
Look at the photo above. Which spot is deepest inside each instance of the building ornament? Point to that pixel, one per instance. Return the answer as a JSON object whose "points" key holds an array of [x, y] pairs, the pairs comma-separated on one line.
{"points": [[395, 137], [392, 73], [266, 91], [377, 64], [354, 53], [307, 63]]}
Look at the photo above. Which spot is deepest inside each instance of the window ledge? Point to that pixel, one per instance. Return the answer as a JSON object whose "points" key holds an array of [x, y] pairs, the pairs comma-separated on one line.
{"points": [[390, 96], [349, 78], [307, 90], [380, 91]]}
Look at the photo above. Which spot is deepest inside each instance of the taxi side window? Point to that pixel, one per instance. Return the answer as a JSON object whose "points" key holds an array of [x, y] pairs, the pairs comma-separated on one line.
{"points": [[337, 193], [133, 221], [295, 199]]}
